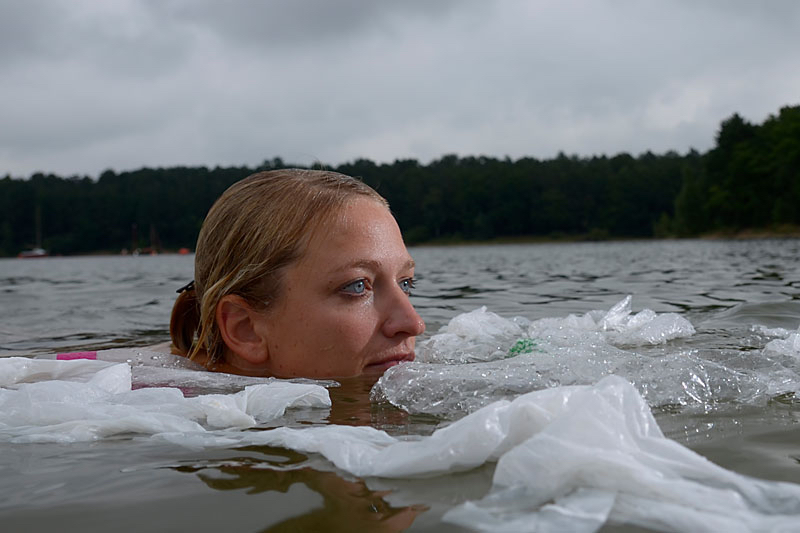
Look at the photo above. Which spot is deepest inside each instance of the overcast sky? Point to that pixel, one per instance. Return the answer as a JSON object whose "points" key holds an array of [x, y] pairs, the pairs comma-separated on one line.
{"points": [[87, 85]]}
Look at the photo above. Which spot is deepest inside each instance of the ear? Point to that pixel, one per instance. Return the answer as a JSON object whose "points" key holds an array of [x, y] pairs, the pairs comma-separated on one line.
{"points": [[242, 330]]}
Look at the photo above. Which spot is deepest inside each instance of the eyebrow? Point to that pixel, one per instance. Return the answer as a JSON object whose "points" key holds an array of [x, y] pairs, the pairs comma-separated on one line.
{"points": [[369, 264]]}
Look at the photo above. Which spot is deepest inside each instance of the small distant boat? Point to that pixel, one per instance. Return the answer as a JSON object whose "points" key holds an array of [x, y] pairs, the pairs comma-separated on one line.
{"points": [[33, 253], [37, 250]]}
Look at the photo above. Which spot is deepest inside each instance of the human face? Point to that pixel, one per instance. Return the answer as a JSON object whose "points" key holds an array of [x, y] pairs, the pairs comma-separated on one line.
{"points": [[344, 309]]}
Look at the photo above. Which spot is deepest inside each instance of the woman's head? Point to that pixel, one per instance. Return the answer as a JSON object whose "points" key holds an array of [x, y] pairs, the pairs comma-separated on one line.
{"points": [[262, 251]]}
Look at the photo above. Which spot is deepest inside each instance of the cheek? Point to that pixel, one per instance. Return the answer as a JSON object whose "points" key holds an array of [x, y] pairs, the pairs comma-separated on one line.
{"points": [[355, 326]]}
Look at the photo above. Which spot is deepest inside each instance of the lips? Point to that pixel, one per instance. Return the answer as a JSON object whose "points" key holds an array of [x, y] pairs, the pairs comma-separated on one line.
{"points": [[389, 361]]}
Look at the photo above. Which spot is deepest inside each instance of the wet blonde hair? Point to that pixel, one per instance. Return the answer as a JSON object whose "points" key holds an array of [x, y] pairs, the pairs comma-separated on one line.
{"points": [[257, 228]]}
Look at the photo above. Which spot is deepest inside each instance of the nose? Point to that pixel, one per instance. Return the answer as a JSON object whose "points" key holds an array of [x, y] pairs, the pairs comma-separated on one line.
{"points": [[401, 317]]}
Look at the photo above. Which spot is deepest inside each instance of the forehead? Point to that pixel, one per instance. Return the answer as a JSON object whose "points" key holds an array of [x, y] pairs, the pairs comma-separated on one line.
{"points": [[362, 229]]}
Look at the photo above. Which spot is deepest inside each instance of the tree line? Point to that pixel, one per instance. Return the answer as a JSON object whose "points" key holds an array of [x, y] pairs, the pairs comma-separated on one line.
{"points": [[750, 179]]}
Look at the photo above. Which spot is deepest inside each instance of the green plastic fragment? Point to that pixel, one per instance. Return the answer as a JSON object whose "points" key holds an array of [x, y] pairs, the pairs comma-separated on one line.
{"points": [[524, 345]]}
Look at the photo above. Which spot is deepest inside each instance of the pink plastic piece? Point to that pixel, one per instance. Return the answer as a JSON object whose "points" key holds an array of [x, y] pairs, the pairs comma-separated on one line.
{"points": [[76, 355]]}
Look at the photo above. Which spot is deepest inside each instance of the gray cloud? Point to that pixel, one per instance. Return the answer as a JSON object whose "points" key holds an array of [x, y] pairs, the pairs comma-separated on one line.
{"points": [[281, 25], [91, 85]]}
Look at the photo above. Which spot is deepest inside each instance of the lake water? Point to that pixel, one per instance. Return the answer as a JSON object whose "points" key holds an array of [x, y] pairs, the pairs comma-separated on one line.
{"points": [[725, 389]]}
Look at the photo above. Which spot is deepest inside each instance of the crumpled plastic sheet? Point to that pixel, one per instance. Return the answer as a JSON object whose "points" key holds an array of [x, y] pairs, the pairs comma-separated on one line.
{"points": [[568, 458], [788, 346], [81, 400], [480, 357], [602, 453], [482, 335], [156, 369]]}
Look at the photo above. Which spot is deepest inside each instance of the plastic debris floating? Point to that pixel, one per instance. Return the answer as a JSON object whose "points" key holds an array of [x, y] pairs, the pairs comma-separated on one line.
{"points": [[480, 357], [567, 457], [560, 405]]}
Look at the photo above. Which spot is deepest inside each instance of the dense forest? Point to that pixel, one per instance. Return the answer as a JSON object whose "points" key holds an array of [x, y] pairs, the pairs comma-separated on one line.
{"points": [[750, 180]]}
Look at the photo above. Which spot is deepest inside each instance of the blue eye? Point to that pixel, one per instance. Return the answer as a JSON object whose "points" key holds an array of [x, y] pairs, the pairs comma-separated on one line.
{"points": [[357, 287], [407, 284]]}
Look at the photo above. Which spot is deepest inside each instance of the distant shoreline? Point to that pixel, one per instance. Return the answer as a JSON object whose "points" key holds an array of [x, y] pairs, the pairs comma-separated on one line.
{"points": [[782, 232]]}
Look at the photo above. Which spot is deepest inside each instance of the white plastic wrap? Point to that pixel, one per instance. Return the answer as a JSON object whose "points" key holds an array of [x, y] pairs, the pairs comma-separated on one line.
{"points": [[482, 335], [480, 357], [568, 458], [788, 346], [80, 400]]}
